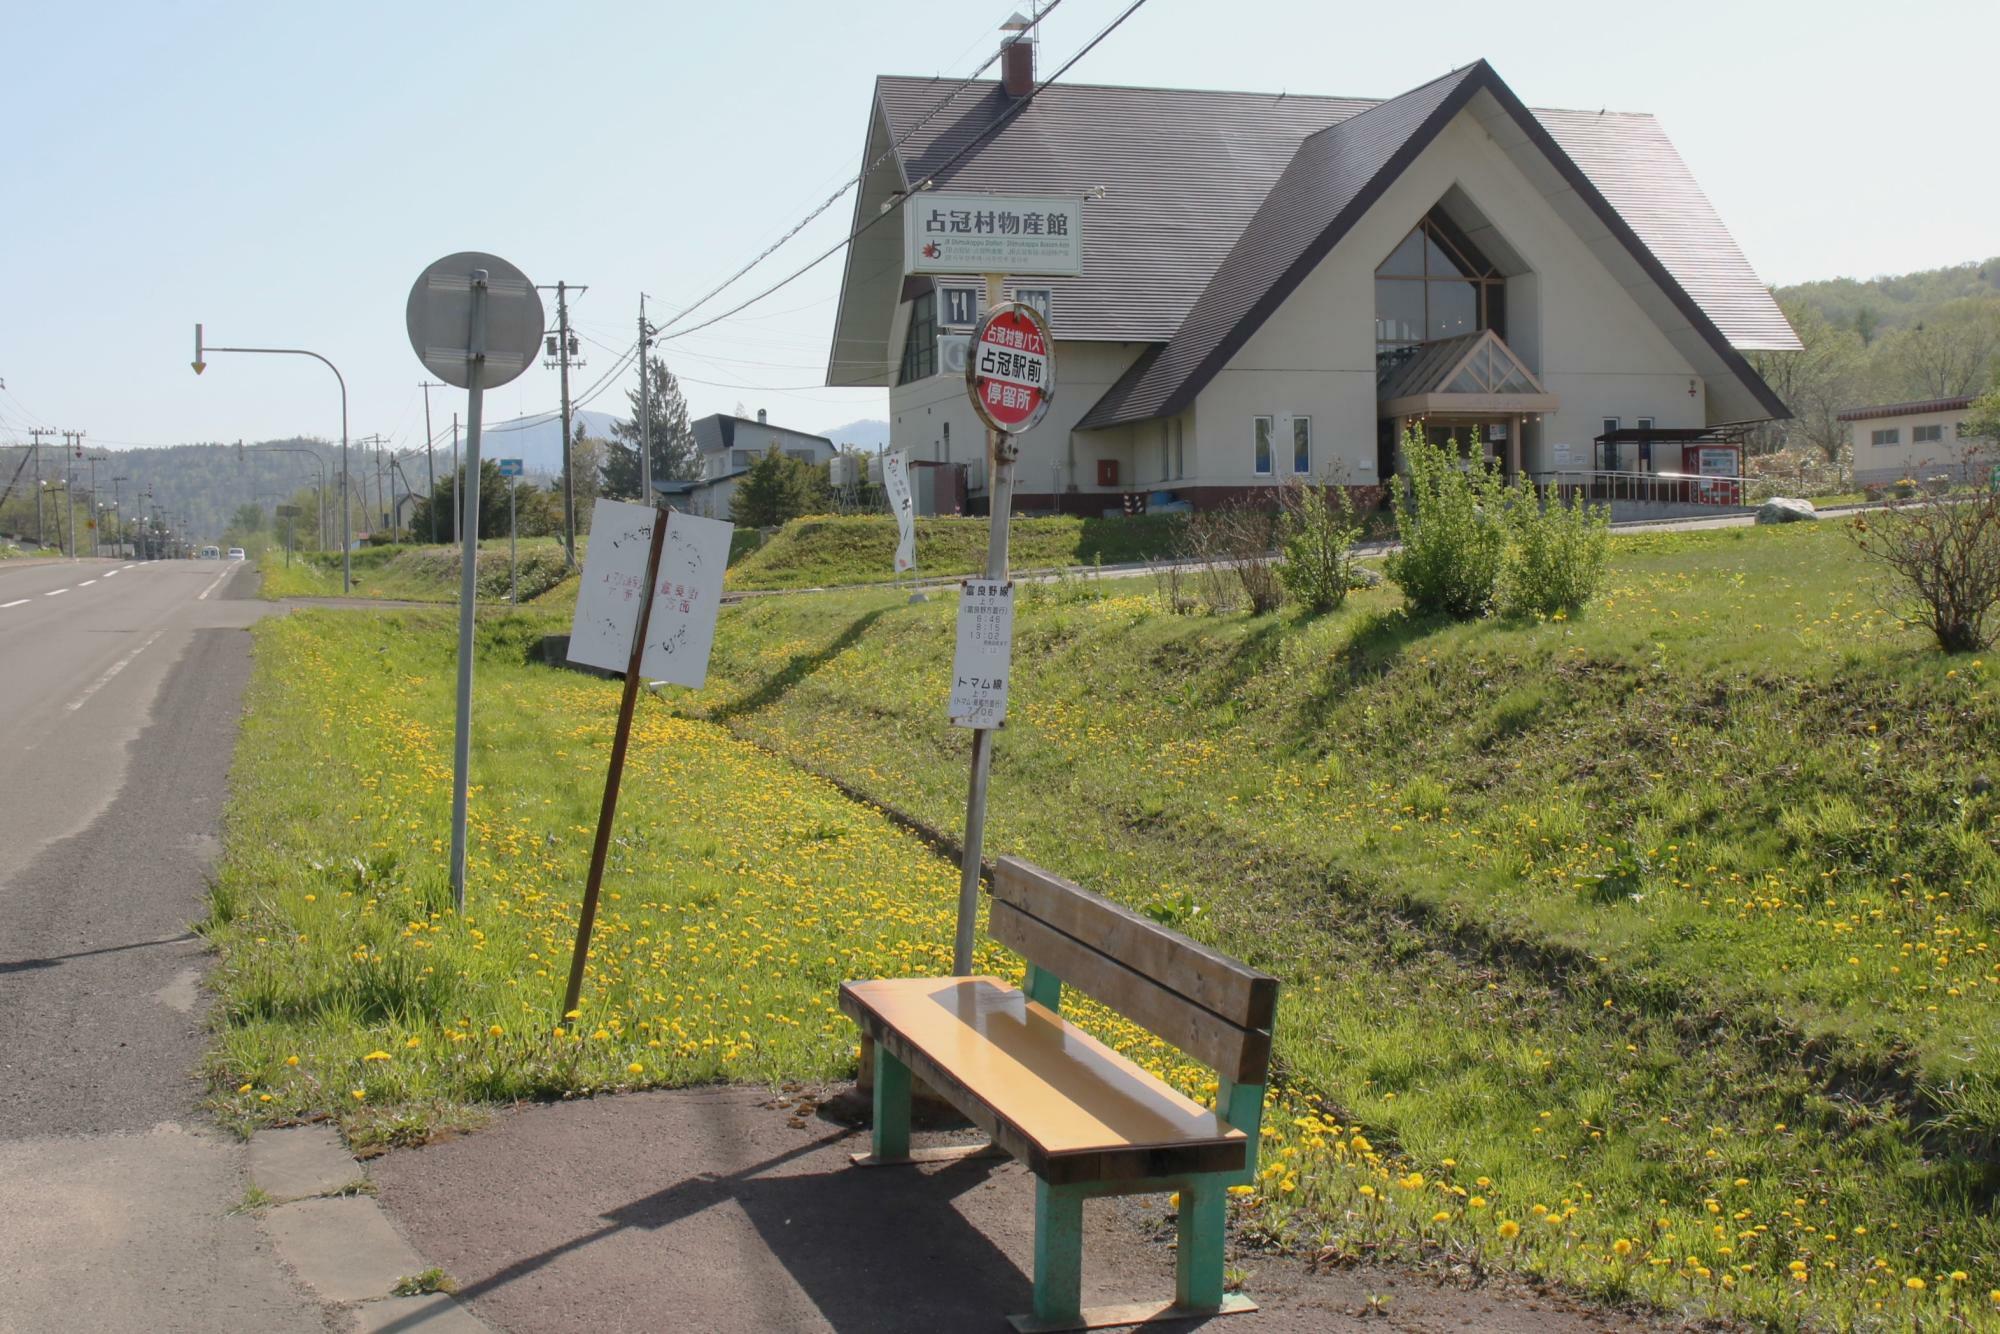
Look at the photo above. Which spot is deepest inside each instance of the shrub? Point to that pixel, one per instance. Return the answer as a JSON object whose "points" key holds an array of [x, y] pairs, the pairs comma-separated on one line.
{"points": [[1556, 553], [1448, 518], [1943, 556], [1317, 528]]}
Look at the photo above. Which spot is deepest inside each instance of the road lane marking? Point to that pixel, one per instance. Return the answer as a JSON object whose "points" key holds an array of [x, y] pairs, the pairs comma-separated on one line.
{"points": [[115, 668], [15, 603], [203, 595], [128, 567], [86, 583], [54, 591], [109, 573]]}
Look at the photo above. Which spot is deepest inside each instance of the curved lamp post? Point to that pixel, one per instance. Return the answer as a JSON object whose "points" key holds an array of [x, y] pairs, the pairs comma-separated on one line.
{"points": [[200, 365]]}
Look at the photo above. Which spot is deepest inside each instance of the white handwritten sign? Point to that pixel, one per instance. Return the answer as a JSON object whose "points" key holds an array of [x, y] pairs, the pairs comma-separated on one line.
{"points": [[687, 593], [982, 664]]}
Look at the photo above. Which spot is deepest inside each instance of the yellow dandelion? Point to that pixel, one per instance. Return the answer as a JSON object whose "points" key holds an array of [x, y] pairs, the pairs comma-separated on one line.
{"points": [[1509, 1230]]}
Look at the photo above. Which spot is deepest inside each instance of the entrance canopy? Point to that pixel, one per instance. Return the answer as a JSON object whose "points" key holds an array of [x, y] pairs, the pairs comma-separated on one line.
{"points": [[1472, 374]]}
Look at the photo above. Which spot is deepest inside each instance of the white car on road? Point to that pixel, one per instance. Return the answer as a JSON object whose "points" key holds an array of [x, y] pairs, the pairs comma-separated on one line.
{"points": [[236, 553]]}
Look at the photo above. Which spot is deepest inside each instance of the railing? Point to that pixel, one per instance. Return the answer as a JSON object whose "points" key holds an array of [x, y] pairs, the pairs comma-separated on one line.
{"points": [[1655, 488]]}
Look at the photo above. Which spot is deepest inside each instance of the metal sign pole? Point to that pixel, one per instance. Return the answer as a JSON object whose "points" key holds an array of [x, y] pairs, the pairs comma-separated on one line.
{"points": [[613, 775], [468, 585], [1000, 454], [513, 551]]}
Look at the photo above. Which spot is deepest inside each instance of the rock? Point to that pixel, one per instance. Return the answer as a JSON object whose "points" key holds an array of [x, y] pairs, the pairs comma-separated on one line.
{"points": [[1363, 576], [1785, 509]]}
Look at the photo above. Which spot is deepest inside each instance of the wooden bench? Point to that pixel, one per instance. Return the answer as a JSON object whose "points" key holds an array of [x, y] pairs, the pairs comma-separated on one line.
{"points": [[1084, 1119]]}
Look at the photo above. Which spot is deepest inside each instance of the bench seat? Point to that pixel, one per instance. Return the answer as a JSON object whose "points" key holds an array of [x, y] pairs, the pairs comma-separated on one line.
{"points": [[1049, 1093]]}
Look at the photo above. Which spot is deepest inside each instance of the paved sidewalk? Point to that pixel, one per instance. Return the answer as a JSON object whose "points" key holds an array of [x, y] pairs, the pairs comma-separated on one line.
{"points": [[734, 1210]]}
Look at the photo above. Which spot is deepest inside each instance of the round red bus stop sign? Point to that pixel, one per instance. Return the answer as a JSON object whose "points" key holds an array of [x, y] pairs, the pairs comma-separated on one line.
{"points": [[1011, 373]]}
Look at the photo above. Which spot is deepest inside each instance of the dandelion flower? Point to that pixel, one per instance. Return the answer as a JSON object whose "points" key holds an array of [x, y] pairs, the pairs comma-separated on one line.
{"points": [[291, 1060], [1914, 1284], [635, 1069], [243, 1088], [359, 1094], [1509, 1230], [495, 1031], [376, 1056], [1441, 1217], [1621, 1247]]}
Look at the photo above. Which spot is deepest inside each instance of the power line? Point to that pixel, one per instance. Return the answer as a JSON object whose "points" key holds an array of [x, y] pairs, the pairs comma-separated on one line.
{"points": [[895, 205], [845, 186]]}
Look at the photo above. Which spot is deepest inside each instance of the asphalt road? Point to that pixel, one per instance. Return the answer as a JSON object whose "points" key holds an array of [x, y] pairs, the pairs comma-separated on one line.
{"points": [[120, 692]]}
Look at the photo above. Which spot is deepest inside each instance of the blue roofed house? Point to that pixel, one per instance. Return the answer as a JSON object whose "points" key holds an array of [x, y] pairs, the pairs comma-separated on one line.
{"points": [[1277, 285]]}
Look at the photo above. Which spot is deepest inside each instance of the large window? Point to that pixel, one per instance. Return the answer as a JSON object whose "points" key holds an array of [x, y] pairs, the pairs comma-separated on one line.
{"points": [[1434, 285], [920, 347]]}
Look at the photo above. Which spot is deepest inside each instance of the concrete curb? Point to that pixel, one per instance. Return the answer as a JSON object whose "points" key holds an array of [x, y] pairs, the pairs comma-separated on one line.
{"points": [[325, 1225]]}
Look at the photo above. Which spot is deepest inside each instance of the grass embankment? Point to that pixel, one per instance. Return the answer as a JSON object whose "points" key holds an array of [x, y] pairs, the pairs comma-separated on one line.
{"points": [[416, 573], [1650, 951], [1670, 926], [827, 551]]}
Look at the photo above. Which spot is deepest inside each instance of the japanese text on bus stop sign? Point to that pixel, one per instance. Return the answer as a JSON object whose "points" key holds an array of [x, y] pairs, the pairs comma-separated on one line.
{"points": [[980, 667]]}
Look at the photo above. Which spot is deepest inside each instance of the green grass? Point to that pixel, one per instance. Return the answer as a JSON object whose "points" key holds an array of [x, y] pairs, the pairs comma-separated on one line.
{"points": [[1613, 912], [827, 551], [1650, 919], [416, 573]]}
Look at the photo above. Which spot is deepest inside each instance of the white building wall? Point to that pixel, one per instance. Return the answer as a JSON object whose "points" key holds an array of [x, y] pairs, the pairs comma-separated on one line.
{"points": [[1953, 453], [933, 419], [1590, 342]]}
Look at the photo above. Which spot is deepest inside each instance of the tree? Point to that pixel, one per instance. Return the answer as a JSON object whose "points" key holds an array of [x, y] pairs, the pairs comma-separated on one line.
{"points": [[777, 488], [444, 501], [247, 519], [1949, 354], [1815, 382], [1982, 421], [674, 455]]}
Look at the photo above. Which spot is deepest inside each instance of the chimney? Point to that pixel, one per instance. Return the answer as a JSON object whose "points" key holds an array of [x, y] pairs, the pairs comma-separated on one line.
{"points": [[1017, 57], [760, 417]]}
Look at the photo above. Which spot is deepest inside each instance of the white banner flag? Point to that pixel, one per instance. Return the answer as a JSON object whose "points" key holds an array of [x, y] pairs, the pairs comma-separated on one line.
{"points": [[896, 481]]}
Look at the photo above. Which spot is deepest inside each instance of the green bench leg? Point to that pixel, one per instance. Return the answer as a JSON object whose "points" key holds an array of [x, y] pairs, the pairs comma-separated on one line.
{"points": [[1058, 1253], [891, 1133], [1198, 1265]]}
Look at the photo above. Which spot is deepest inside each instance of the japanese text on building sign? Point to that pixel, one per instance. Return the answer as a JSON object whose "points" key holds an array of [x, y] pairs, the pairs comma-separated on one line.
{"points": [[982, 663], [1011, 375], [979, 233]]}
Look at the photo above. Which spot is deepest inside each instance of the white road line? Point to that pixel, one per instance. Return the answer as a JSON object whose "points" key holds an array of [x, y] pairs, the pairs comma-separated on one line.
{"points": [[15, 603], [128, 567], [54, 592], [203, 595], [109, 573], [115, 668], [86, 583]]}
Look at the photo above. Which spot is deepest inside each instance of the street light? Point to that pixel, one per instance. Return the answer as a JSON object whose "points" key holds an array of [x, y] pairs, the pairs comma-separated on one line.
{"points": [[346, 564]]}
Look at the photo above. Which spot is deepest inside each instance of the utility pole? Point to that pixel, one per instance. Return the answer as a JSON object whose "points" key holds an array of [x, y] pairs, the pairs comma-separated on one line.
{"points": [[37, 432], [646, 496], [96, 510], [564, 350], [366, 471], [119, 550], [74, 441], [430, 469]]}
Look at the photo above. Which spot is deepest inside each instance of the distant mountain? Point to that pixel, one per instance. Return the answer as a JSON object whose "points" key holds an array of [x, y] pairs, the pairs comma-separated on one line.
{"points": [[868, 434], [537, 438]]}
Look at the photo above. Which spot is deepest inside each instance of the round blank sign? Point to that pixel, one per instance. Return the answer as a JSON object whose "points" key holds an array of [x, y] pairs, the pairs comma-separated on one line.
{"points": [[439, 316]]}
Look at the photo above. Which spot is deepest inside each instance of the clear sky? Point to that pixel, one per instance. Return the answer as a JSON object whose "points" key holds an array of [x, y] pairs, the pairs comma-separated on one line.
{"points": [[282, 172]]}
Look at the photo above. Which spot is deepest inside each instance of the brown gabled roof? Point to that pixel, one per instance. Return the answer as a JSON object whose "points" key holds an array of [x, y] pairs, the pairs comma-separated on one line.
{"points": [[1906, 409], [1335, 176], [1186, 169]]}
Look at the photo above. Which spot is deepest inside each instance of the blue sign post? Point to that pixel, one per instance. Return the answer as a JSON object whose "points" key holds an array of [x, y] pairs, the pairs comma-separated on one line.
{"points": [[511, 468]]}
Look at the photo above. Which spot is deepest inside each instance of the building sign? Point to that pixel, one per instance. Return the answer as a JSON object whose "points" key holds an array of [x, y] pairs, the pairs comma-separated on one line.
{"points": [[981, 666], [958, 307], [979, 233], [1012, 372], [1041, 298], [687, 593], [896, 484]]}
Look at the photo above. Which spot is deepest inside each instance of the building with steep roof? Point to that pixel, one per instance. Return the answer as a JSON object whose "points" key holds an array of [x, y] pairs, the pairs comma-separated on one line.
{"points": [[1276, 285]]}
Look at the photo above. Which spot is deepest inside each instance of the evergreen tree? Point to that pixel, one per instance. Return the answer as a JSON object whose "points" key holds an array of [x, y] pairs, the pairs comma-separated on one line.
{"points": [[674, 455], [492, 503], [777, 488]]}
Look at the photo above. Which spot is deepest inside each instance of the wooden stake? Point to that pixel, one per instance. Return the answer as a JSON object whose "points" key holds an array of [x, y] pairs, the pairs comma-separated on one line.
{"points": [[616, 772]]}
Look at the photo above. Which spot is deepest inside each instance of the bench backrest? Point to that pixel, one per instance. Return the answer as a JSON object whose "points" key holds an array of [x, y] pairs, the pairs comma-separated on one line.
{"points": [[1213, 1008]]}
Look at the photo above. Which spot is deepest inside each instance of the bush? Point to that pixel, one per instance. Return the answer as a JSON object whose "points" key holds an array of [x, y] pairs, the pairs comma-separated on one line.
{"points": [[1448, 518], [1556, 553], [1943, 556], [1317, 528]]}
